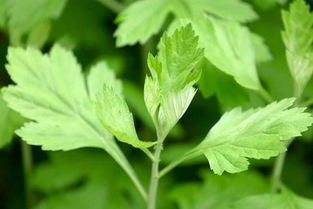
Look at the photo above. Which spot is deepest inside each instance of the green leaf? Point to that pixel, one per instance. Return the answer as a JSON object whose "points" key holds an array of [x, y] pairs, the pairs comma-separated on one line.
{"points": [[256, 133], [234, 10], [51, 90], [168, 92], [138, 24], [134, 97], [115, 116], [20, 17], [262, 52], [9, 122], [285, 200], [229, 47], [100, 74], [298, 39], [214, 82], [218, 192]]}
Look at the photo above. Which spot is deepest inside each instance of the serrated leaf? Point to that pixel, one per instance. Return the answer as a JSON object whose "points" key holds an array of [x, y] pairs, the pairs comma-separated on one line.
{"points": [[51, 90], [285, 200], [224, 40], [214, 82], [234, 10], [115, 116], [298, 39], [256, 133], [168, 92], [100, 74], [262, 52], [137, 24]]}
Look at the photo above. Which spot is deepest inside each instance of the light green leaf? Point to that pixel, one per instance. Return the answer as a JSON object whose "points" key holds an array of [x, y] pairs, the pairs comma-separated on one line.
{"points": [[100, 74], [262, 52], [234, 10], [256, 133], [229, 47], [298, 39], [137, 24], [9, 122], [20, 17], [214, 82], [168, 92], [115, 116], [285, 200], [51, 90]]}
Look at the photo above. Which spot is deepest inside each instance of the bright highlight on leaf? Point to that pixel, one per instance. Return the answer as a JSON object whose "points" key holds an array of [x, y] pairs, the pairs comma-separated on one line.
{"points": [[51, 90], [115, 116], [298, 39], [256, 133], [168, 92]]}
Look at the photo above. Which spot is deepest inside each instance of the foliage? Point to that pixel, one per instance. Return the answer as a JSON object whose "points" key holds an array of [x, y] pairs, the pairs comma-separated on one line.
{"points": [[134, 94]]}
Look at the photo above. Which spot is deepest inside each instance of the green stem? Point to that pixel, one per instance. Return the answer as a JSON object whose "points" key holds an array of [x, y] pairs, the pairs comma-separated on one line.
{"points": [[266, 96], [113, 5], [173, 164], [277, 172], [154, 181], [27, 167], [148, 153], [278, 169]]}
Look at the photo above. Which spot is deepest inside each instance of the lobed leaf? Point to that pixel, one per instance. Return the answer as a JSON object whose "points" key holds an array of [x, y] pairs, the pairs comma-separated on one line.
{"points": [[115, 116], [256, 133], [137, 24], [168, 92], [51, 90], [298, 39]]}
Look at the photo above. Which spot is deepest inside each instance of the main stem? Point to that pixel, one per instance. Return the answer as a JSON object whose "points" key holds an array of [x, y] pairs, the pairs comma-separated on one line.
{"points": [[154, 181]]}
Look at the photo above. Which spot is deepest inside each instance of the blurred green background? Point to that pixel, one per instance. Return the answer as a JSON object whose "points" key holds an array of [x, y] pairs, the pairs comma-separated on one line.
{"points": [[89, 178]]}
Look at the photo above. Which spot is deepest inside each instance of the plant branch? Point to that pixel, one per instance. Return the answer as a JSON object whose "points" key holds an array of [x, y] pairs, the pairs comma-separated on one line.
{"points": [[265, 95], [278, 169], [113, 5], [148, 153], [175, 163], [154, 181]]}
